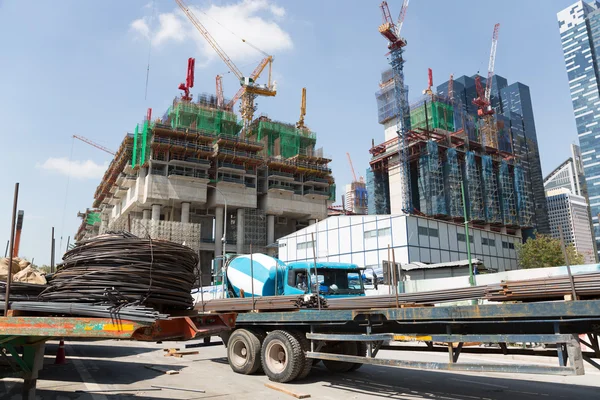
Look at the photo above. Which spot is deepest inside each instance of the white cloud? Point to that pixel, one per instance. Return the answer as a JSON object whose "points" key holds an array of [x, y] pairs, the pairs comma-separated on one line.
{"points": [[76, 169], [251, 20]]}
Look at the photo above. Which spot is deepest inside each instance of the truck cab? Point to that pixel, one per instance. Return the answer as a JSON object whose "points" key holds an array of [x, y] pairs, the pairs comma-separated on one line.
{"points": [[334, 279], [262, 275]]}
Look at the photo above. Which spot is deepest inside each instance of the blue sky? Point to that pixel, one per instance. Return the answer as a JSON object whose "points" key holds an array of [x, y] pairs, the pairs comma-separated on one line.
{"points": [[79, 67]]}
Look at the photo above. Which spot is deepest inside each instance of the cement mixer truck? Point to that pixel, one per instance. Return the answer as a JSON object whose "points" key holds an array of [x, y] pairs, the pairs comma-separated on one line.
{"points": [[267, 276]]}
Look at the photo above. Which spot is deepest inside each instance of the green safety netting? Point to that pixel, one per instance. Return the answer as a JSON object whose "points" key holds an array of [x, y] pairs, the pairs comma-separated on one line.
{"points": [[283, 139], [432, 115]]}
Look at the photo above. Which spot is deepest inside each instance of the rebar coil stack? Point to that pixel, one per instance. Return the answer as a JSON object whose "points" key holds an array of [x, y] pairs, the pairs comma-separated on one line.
{"points": [[120, 268]]}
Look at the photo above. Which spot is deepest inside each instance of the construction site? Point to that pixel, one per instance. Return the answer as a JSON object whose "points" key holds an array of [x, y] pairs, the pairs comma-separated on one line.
{"points": [[213, 247], [440, 161]]}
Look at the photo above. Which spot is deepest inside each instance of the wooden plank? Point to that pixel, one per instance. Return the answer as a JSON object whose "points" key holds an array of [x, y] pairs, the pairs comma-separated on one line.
{"points": [[288, 392]]}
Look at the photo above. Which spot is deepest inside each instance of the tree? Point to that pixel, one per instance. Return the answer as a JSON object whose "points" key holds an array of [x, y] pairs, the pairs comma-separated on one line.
{"points": [[545, 251]]}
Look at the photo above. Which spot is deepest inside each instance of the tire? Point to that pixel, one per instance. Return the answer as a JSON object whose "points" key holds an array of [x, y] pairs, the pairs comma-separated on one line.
{"points": [[243, 352], [361, 351], [282, 356], [347, 348], [308, 362]]}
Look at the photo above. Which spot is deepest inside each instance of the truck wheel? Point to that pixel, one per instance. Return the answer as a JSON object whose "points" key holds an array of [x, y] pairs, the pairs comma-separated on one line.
{"points": [[347, 348], [308, 362], [282, 356], [361, 351], [243, 352]]}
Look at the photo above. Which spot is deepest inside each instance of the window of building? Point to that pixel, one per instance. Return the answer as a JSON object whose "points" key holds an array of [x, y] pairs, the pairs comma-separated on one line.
{"points": [[425, 231], [462, 238], [488, 242], [377, 232], [305, 245], [508, 245]]}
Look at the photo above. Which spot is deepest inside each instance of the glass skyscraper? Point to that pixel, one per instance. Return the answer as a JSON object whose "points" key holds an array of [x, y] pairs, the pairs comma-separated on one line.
{"points": [[512, 104], [579, 26]]}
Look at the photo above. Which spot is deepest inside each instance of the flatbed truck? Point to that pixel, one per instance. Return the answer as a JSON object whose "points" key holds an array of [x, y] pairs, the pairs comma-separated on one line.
{"points": [[286, 345]]}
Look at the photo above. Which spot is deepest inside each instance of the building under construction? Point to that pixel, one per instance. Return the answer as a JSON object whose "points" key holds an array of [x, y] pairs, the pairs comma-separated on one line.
{"points": [[445, 151], [180, 176]]}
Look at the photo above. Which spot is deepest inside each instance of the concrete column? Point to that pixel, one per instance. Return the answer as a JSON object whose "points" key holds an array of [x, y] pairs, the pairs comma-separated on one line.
{"points": [[206, 228], [240, 230], [155, 212], [218, 231], [142, 172], [312, 221], [270, 229], [185, 212], [146, 214]]}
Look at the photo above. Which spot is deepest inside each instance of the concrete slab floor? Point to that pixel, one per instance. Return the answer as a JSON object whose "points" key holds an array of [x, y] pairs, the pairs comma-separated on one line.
{"points": [[119, 366]]}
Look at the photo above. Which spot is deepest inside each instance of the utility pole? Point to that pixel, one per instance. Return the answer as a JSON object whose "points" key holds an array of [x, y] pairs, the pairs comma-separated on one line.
{"points": [[471, 276]]}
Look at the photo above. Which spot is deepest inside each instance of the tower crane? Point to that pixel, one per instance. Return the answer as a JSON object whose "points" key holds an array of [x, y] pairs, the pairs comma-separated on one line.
{"points": [[300, 124], [428, 91], [96, 145], [249, 88], [483, 99], [396, 43], [351, 167]]}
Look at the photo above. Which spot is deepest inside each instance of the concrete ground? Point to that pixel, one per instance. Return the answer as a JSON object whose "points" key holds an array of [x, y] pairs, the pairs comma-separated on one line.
{"points": [[107, 370]]}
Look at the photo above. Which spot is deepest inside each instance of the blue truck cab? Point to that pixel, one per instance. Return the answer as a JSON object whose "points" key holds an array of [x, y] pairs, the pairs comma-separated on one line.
{"points": [[263, 275], [334, 279]]}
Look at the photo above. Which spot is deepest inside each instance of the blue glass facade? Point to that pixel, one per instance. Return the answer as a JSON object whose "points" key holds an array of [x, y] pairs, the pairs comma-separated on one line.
{"points": [[517, 133], [579, 26]]}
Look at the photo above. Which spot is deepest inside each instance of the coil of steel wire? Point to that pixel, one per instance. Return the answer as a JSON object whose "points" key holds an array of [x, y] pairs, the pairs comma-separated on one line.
{"points": [[120, 268]]}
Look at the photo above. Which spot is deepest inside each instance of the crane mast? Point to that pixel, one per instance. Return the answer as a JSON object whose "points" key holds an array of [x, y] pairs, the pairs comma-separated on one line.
{"points": [[485, 112], [300, 124], [391, 31]]}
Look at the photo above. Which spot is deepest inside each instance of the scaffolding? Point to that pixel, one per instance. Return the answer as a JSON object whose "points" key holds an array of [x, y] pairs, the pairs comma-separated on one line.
{"points": [[432, 199], [524, 209], [185, 233], [141, 144], [453, 180], [255, 230], [475, 204], [507, 196], [378, 192], [431, 113], [283, 139], [202, 116], [491, 198]]}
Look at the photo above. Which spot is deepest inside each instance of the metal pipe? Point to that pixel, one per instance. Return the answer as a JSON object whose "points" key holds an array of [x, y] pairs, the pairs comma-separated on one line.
{"points": [[10, 260], [395, 278], [389, 274], [52, 252], [316, 271], [252, 276], [564, 249], [467, 239]]}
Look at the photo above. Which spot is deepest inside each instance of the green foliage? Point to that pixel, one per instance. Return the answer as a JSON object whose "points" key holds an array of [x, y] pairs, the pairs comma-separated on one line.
{"points": [[545, 251]]}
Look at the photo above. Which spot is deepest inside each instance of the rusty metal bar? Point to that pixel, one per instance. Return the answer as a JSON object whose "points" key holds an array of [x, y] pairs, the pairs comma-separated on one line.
{"points": [[11, 250]]}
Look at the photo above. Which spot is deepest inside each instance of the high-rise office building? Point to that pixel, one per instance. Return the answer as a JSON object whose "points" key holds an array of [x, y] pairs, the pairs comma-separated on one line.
{"points": [[568, 175], [514, 110], [579, 26], [570, 212]]}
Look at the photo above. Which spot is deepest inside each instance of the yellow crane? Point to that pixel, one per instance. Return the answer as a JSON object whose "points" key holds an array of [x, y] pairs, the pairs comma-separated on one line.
{"points": [[300, 124], [249, 88]]}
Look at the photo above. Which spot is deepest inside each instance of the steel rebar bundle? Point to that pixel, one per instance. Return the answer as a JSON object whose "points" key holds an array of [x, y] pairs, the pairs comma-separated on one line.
{"points": [[128, 312], [389, 301], [120, 268], [20, 291], [261, 303], [587, 284]]}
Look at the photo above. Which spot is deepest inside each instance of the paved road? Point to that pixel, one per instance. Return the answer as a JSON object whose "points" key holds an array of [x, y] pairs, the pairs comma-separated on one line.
{"points": [[119, 366]]}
